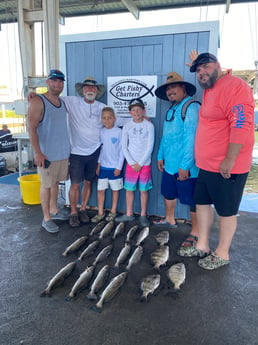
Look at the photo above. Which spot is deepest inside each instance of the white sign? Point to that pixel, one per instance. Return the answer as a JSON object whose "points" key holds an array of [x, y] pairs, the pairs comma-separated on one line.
{"points": [[121, 90]]}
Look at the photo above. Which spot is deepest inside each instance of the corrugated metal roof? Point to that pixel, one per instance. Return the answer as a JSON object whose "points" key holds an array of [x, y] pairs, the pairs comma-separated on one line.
{"points": [[74, 8]]}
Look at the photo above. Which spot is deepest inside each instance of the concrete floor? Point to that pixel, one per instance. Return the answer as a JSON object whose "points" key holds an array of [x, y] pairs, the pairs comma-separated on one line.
{"points": [[213, 308]]}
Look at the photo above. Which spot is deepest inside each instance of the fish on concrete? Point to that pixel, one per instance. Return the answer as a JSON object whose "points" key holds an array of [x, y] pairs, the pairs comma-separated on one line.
{"points": [[160, 256], [149, 284], [123, 254], [98, 282], [131, 233], [118, 230], [81, 283], [97, 228], [75, 245], [176, 274], [135, 257], [59, 278], [105, 252], [162, 237], [89, 250], [110, 291], [142, 235], [107, 229]]}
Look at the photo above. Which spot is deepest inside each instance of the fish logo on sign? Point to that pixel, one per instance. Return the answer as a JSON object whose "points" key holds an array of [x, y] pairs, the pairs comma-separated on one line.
{"points": [[128, 89]]}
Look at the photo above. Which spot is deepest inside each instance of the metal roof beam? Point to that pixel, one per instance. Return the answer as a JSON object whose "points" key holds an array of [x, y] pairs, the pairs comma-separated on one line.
{"points": [[227, 5], [132, 8]]}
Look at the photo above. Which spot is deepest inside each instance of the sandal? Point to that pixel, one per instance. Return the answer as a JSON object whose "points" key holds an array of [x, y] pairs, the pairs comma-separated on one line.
{"points": [[212, 262], [165, 223], [111, 216], [97, 218], [189, 241]]}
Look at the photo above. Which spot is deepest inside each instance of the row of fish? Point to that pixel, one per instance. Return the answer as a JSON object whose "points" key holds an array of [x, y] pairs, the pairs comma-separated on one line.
{"points": [[176, 274]]}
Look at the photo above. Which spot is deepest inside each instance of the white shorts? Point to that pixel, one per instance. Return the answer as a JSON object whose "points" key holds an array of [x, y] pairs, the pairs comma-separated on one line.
{"points": [[104, 183]]}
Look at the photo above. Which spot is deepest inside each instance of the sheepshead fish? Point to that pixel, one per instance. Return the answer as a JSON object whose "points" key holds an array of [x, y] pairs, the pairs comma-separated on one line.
{"points": [[135, 257], [131, 233], [123, 254], [107, 229], [59, 278], [142, 235], [81, 282], [160, 256], [98, 282], [176, 273], [162, 237], [149, 284], [118, 230], [89, 250], [105, 252], [111, 289], [75, 245], [97, 228]]}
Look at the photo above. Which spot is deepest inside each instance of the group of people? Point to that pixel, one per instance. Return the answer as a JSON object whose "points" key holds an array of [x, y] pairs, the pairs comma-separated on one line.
{"points": [[205, 153]]}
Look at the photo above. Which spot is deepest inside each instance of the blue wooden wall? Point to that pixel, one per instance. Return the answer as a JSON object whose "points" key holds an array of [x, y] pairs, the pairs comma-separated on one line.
{"points": [[147, 55]]}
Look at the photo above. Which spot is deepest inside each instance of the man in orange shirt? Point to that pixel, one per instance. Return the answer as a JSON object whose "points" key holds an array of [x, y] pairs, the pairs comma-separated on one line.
{"points": [[223, 151]]}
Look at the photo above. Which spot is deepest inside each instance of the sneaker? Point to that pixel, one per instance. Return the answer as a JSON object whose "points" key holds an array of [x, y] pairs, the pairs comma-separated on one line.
{"points": [[83, 216], [124, 218], [50, 226], [212, 262], [111, 216], [191, 251], [74, 220], [60, 215], [144, 221], [97, 218]]}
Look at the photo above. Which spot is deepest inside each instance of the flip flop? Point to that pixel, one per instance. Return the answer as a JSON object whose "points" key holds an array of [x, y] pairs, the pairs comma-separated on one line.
{"points": [[189, 241], [165, 223]]}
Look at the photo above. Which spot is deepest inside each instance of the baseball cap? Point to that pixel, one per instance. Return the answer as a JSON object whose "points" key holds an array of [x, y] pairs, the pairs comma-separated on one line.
{"points": [[56, 74], [202, 58], [136, 102]]}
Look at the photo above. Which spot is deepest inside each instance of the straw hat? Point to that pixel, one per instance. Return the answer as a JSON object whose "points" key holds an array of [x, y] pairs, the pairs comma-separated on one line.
{"points": [[174, 78], [90, 81]]}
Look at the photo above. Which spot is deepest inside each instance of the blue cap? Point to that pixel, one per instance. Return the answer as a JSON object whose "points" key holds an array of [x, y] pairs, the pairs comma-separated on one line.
{"points": [[56, 74]]}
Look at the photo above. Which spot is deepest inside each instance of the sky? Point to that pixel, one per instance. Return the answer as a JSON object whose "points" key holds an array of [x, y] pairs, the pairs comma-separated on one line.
{"points": [[238, 34]]}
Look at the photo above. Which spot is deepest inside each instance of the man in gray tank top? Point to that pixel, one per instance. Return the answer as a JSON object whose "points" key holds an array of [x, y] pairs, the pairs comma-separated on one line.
{"points": [[49, 137]]}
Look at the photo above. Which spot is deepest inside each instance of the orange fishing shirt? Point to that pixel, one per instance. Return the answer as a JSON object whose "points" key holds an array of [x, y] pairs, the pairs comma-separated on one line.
{"points": [[226, 116]]}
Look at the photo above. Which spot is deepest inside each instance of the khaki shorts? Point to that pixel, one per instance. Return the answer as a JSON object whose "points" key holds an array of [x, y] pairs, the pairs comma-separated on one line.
{"points": [[56, 172]]}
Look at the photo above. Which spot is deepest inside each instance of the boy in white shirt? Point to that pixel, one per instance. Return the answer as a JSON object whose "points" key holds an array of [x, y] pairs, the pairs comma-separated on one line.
{"points": [[137, 145], [110, 164]]}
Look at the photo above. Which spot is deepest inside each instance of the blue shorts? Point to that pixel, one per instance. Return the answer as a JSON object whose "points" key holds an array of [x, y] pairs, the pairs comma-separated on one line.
{"points": [[224, 194], [109, 173], [83, 167], [171, 188]]}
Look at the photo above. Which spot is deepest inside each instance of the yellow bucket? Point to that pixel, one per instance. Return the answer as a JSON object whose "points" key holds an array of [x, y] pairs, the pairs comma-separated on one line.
{"points": [[30, 188]]}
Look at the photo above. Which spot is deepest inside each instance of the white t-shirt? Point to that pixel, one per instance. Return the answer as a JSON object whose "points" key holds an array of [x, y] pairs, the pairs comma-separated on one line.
{"points": [[138, 142], [84, 124], [111, 154]]}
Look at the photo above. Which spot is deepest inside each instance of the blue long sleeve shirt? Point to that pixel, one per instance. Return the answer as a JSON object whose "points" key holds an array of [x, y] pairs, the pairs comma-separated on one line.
{"points": [[176, 148]]}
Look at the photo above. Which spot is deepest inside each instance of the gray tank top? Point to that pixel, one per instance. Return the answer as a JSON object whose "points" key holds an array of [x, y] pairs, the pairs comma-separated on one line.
{"points": [[53, 131]]}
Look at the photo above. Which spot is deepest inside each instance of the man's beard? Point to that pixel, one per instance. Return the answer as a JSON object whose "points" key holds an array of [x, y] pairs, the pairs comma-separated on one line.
{"points": [[89, 96], [211, 81]]}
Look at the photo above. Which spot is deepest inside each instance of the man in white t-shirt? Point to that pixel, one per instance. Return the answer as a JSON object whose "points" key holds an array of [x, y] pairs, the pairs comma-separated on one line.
{"points": [[84, 117]]}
